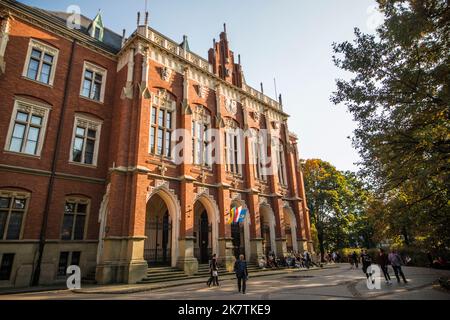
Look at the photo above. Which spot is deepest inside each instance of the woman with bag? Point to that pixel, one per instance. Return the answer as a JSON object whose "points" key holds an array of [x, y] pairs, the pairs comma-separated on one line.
{"points": [[214, 272]]}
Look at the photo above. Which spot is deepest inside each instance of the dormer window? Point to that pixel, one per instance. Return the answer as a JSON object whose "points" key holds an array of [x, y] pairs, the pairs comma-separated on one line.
{"points": [[97, 33]]}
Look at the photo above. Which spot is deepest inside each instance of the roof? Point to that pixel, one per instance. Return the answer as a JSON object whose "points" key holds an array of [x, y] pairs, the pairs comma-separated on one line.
{"points": [[111, 41]]}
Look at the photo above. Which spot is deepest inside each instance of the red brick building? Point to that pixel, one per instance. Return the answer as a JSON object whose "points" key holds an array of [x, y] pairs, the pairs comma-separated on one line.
{"points": [[90, 170]]}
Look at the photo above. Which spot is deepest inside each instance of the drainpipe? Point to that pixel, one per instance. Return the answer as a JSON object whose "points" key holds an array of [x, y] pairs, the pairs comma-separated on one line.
{"points": [[37, 267]]}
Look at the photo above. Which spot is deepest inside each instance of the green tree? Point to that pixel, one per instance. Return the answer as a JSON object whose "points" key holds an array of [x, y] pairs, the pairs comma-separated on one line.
{"points": [[399, 96]]}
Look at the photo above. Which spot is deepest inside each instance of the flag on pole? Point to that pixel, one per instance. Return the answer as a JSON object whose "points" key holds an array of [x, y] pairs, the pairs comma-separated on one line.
{"points": [[237, 215], [242, 215], [232, 214]]}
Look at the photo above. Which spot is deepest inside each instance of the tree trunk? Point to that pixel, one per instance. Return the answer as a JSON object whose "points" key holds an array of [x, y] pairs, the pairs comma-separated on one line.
{"points": [[321, 247]]}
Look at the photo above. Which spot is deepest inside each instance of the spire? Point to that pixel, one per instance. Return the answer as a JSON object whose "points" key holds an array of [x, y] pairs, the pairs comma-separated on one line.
{"points": [[185, 43]]}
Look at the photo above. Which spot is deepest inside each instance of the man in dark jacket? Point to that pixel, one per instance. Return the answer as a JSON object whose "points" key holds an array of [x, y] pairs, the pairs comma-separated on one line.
{"points": [[355, 259], [366, 261], [240, 268], [383, 261]]}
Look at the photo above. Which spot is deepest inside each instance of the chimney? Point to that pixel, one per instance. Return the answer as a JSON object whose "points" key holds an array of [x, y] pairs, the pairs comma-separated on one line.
{"points": [[146, 18], [262, 88], [239, 59], [123, 37], [138, 18]]}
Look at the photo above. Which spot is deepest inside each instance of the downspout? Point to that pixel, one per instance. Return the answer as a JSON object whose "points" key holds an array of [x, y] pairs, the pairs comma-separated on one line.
{"points": [[37, 267]]}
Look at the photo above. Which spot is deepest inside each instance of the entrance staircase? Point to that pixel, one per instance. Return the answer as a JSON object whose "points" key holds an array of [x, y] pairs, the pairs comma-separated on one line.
{"points": [[169, 274]]}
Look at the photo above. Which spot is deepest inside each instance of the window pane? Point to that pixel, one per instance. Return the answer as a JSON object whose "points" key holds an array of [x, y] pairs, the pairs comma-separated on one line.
{"points": [[161, 118], [76, 255], [89, 152], [69, 208], [19, 204], [45, 73], [33, 67], [79, 228], [152, 139], [168, 144], [98, 77], [169, 120], [4, 202], [15, 222], [77, 149], [81, 208], [80, 131], [22, 116], [33, 135], [6, 266], [3, 215], [91, 133], [48, 58], [36, 53], [37, 120], [88, 74], [62, 265], [19, 130], [66, 232], [96, 91], [160, 142], [16, 145], [153, 116], [86, 92]]}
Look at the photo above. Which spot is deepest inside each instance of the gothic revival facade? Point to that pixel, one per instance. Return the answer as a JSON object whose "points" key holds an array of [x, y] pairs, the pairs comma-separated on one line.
{"points": [[90, 142]]}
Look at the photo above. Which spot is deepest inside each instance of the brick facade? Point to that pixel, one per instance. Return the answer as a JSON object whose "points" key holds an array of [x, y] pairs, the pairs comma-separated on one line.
{"points": [[125, 185]]}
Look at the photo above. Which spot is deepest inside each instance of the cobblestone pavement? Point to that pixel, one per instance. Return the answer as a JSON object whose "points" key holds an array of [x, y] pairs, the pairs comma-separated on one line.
{"points": [[326, 284]]}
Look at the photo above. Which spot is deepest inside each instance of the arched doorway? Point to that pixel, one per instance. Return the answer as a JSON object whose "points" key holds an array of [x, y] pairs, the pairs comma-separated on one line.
{"points": [[240, 232], [290, 229], [158, 230], [267, 223], [203, 233]]}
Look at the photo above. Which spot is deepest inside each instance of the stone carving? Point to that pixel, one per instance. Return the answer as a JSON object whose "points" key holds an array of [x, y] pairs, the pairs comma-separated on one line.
{"points": [[231, 105], [166, 73]]}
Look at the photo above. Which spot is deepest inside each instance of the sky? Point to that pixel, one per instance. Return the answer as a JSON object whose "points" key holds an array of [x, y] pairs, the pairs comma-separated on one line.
{"points": [[290, 40]]}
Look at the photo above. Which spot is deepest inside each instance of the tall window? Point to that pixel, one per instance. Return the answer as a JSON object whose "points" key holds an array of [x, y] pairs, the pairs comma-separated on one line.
{"points": [[201, 124], [93, 82], [258, 151], [66, 259], [85, 141], [162, 123], [7, 260], [27, 128], [232, 148], [281, 161], [40, 62], [13, 206], [74, 221]]}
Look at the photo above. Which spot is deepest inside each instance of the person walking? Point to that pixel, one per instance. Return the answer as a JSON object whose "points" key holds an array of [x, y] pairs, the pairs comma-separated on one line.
{"points": [[355, 259], [213, 271], [396, 263], [240, 268], [383, 262], [366, 261]]}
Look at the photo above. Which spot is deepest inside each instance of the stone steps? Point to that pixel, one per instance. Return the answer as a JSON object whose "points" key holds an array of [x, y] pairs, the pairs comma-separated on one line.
{"points": [[169, 274]]}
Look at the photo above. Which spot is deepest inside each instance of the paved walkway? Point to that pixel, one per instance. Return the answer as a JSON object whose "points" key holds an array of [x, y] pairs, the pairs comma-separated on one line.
{"points": [[330, 283]]}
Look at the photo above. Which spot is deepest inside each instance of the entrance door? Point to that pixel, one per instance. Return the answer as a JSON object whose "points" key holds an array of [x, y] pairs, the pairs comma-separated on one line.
{"points": [[237, 233], [204, 238]]}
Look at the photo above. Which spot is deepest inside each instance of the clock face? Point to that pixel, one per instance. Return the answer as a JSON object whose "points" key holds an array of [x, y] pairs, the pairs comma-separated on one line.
{"points": [[231, 105]]}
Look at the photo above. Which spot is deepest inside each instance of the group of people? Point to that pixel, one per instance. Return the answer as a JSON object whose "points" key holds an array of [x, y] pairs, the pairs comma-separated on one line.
{"points": [[240, 269], [384, 260], [291, 260]]}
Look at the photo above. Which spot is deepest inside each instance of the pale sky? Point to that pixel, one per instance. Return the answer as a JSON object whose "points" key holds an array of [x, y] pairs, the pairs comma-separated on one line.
{"points": [[286, 39]]}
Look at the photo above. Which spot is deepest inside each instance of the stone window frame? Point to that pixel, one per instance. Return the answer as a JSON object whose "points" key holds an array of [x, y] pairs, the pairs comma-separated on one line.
{"points": [[95, 69], [88, 123], [32, 108], [258, 155], [202, 116], [76, 200], [44, 48], [164, 101], [15, 195]]}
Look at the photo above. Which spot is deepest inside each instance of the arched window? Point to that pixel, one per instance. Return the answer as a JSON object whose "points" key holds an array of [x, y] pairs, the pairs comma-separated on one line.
{"points": [[201, 125], [162, 123]]}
